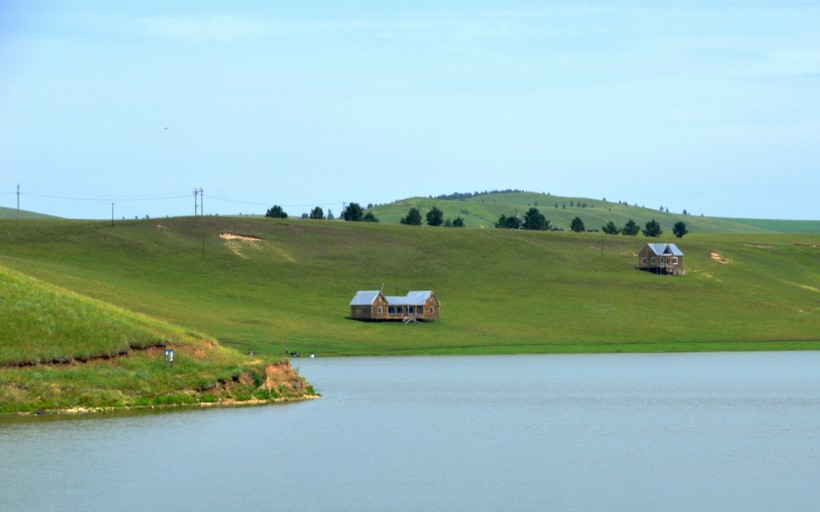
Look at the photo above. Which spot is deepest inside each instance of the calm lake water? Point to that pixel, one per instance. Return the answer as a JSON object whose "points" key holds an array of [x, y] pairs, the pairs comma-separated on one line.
{"points": [[667, 432]]}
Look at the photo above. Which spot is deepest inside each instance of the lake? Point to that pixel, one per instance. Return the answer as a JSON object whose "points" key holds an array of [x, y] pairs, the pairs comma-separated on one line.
{"points": [[671, 432]]}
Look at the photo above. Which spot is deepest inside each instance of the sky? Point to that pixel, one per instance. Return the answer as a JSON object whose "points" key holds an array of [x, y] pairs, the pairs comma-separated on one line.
{"points": [[130, 106]]}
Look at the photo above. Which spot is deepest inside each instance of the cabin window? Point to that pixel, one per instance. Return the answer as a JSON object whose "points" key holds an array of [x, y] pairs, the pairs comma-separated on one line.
{"points": [[431, 310], [412, 310], [391, 310], [653, 260], [674, 260], [380, 309], [643, 260]]}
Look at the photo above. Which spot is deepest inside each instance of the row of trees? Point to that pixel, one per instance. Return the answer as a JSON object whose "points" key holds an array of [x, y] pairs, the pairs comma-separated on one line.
{"points": [[532, 220], [535, 220], [352, 212], [652, 229], [435, 217]]}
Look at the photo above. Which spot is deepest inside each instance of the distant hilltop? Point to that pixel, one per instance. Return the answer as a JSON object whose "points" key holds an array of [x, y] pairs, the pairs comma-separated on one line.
{"points": [[484, 209]]}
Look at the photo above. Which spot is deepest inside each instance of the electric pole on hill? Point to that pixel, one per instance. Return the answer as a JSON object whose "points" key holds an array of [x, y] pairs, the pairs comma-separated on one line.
{"points": [[198, 206]]}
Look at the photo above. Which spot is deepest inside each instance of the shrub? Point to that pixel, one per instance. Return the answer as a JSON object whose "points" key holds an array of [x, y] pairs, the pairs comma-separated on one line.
{"points": [[276, 212]]}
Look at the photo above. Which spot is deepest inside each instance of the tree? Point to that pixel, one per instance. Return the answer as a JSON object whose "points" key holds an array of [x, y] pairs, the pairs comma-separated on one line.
{"points": [[413, 217], [577, 225], [610, 228], [369, 217], [535, 220], [679, 229], [458, 222], [276, 212], [510, 222], [653, 229], [435, 217], [630, 228], [317, 213], [352, 212]]}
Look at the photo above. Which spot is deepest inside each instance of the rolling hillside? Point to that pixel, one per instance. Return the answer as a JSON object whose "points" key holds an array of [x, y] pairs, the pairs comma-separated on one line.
{"points": [[63, 351], [286, 284], [11, 213], [485, 209]]}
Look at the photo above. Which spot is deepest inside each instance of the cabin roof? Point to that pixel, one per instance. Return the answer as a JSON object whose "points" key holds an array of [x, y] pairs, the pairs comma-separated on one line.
{"points": [[364, 297], [665, 249], [414, 298]]}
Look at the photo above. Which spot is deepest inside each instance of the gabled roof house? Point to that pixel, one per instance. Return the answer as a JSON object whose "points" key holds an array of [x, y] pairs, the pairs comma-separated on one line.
{"points": [[661, 258], [373, 305]]}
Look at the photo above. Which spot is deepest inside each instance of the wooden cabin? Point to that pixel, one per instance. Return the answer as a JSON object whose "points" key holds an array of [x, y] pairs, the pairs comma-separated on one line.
{"points": [[661, 258], [374, 306]]}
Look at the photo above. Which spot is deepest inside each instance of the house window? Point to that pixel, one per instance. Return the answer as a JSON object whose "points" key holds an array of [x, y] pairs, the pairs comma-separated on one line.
{"points": [[391, 310], [380, 310], [431, 310], [643, 260], [653, 260], [412, 310], [674, 260]]}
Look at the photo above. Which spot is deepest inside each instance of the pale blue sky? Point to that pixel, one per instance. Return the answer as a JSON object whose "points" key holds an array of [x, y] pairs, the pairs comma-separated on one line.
{"points": [[708, 106]]}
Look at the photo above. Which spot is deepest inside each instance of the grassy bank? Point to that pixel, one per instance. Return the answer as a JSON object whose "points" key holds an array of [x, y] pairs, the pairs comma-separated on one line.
{"points": [[63, 351], [501, 291]]}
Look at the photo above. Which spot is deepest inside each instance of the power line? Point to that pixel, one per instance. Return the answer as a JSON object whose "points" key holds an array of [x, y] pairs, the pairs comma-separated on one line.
{"points": [[104, 200], [331, 203], [198, 199]]}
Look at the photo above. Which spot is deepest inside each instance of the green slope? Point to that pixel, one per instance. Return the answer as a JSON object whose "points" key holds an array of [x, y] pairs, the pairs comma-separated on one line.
{"points": [[485, 209], [60, 350], [502, 291], [12, 213]]}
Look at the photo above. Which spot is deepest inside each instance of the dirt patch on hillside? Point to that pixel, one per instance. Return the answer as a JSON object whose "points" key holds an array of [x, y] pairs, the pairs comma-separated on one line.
{"points": [[714, 256], [237, 236], [279, 379], [73, 359]]}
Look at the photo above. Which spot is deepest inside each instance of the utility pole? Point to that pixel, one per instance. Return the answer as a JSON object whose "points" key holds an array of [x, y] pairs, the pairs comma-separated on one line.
{"points": [[198, 206]]}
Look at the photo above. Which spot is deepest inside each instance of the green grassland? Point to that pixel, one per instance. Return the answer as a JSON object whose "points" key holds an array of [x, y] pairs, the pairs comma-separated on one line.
{"points": [[485, 209], [12, 213], [63, 351], [502, 291]]}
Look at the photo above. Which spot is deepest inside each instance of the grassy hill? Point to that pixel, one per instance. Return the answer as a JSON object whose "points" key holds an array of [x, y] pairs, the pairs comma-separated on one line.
{"points": [[288, 284], [11, 213], [61, 350], [485, 209]]}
